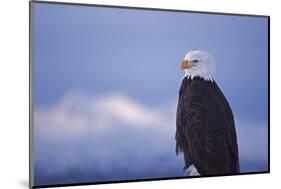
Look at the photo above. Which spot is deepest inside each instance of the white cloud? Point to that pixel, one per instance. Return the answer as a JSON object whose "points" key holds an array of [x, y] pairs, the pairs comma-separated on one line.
{"points": [[77, 113], [126, 110]]}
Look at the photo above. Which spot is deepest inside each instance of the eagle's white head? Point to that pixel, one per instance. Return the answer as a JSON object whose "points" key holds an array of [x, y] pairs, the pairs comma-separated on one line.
{"points": [[199, 63]]}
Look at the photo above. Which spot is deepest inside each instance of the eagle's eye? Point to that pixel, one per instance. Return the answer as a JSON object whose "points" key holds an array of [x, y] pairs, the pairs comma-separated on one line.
{"points": [[195, 61]]}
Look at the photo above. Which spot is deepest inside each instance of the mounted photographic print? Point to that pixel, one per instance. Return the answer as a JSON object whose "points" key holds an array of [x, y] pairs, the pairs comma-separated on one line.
{"points": [[121, 94]]}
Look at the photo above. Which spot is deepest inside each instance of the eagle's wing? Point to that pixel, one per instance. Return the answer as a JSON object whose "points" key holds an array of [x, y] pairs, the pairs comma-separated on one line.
{"points": [[201, 131]]}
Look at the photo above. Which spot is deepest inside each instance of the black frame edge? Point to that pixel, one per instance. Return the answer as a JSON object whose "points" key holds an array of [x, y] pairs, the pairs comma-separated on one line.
{"points": [[147, 8], [146, 180], [268, 93], [31, 163]]}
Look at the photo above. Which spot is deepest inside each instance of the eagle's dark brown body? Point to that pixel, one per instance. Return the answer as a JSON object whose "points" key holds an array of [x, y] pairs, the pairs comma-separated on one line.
{"points": [[205, 128]]}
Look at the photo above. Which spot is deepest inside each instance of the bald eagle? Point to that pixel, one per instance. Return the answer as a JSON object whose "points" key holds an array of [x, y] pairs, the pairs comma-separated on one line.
{"points": [[205, 127]]}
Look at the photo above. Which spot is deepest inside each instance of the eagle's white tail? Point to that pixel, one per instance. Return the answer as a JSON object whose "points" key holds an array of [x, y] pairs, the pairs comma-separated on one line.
{"points": [[191, 171]]}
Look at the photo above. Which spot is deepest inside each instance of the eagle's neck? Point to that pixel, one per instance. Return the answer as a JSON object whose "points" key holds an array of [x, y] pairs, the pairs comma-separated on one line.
{"points": [[206, 71]]}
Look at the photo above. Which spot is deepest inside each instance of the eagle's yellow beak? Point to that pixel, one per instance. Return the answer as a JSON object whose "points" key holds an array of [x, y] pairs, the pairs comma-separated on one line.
{"points": [[185, 64]]}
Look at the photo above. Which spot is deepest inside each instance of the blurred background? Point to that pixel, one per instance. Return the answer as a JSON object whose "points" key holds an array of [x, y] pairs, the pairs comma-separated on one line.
{"points": [[106, 84]]}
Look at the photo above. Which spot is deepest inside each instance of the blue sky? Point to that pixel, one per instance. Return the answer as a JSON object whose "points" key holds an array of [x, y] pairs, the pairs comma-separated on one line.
{"points": [[88, 56]]}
